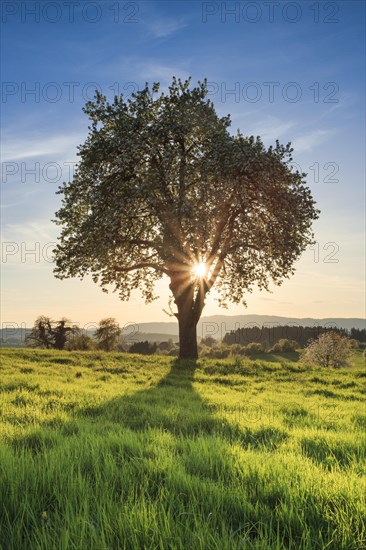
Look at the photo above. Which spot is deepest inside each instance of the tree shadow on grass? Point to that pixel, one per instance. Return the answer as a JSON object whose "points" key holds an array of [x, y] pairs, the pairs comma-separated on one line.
{"points": [[166, 448], [160, 449], [172, 404]]}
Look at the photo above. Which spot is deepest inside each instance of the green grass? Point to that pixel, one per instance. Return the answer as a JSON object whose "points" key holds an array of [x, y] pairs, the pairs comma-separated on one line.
{"points": [[112, 451]]}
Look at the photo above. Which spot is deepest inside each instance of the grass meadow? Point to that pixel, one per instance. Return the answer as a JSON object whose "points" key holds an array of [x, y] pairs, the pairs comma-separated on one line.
{"points": [[114, 451]]}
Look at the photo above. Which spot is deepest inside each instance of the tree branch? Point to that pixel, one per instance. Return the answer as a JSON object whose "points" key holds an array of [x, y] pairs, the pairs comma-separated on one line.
{"points": [[205, 286], [141, 265], [216, 241], [144, 242], [228, 218], [242, 244]]}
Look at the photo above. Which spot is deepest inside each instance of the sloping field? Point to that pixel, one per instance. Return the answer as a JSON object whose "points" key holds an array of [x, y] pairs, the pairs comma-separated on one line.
{"points": [[112, 451]]}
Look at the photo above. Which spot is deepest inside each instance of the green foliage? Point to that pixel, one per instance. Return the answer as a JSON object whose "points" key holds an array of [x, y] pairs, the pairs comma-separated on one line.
{"points": [[106, 450], [107, 334], [208, 341], [218, 351], [166, 346], [162, 185], [254, 348], [222, 350], [269, 335], [284, 346], [145, 348], [355, 344], [80, 341]]}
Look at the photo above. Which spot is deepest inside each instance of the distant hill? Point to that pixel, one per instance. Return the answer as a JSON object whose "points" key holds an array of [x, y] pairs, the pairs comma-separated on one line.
{"points": [[13, 337], [216, 326]]}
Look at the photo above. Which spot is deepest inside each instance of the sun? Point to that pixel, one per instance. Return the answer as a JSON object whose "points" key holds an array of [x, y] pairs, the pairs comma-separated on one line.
{"points": [[199, 270]]}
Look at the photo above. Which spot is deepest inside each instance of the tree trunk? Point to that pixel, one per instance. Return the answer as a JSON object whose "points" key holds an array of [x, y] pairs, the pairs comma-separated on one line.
{"points": [[183, 289], [187, 336]]}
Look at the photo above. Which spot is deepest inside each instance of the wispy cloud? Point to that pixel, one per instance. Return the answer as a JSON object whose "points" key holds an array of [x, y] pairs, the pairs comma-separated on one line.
{"points": [[271, 128], [31, 232], [61, 146], [163, 27], [307, 142], [28, 245], [276, 131], [147, 69], [159, 71]]}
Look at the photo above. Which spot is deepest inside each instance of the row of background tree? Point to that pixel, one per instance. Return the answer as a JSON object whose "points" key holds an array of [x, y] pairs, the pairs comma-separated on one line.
{"points": [[268, 336], [49, 334]]}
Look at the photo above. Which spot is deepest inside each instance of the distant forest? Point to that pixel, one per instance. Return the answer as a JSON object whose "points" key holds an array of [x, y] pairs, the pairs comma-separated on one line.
{"points": [[268, 336]]}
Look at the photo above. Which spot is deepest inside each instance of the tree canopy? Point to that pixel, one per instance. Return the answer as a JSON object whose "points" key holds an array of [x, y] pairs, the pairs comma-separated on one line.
{"points": [[107, 334], [163, 188], [330, 349], [50, 334]]}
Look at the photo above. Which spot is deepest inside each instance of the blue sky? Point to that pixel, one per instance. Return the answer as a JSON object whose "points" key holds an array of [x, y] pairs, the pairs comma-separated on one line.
{"points": [[287, 70]]}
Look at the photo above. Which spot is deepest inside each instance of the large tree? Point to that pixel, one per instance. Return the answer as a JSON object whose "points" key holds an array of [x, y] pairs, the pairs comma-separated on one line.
{"points": [[163, 189]]}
